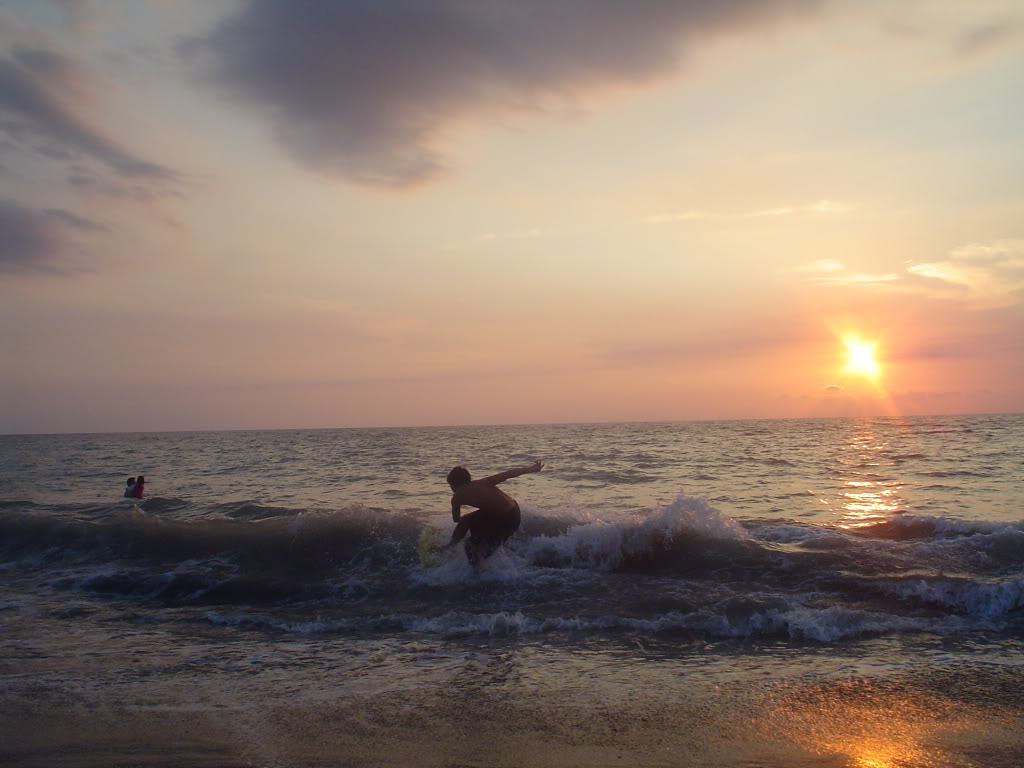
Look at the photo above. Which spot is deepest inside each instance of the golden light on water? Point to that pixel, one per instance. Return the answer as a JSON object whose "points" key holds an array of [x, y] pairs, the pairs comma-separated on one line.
{"points": [[868, 493], [861, 357], [866, 502]]}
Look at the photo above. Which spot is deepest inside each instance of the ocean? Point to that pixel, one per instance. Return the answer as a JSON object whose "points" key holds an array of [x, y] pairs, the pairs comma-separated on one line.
{"points": [[819, 592]]}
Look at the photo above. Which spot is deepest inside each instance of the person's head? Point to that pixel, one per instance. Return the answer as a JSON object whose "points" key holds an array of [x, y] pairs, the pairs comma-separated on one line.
{"points": [[458, 476], [140, 480], [130, 481]]}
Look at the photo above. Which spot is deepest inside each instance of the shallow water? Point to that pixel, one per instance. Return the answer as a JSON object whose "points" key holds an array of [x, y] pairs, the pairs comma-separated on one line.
{"points": [[818, 592]]}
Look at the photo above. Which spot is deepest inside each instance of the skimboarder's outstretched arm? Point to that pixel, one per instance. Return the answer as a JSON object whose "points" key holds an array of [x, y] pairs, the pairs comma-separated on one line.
{"points": [[501, 477]]}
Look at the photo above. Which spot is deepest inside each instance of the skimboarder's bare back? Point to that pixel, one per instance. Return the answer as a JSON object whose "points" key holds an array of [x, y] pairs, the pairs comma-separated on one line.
{"points": [[497, 514]]}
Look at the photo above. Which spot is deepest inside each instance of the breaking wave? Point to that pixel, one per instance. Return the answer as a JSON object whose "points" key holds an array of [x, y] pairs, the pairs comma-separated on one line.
{"points": [[682, 568]]}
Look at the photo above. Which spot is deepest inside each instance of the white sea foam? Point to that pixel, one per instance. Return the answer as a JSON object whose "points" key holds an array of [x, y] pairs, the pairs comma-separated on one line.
{"points": [[979, 599], [503, 566], [604, 546], [784, 534], [804, 537], [593, 546]]}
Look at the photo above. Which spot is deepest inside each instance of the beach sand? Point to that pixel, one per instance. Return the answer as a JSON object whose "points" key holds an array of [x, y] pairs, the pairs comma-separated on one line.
{"points": [[148, 697], [855, 723]]}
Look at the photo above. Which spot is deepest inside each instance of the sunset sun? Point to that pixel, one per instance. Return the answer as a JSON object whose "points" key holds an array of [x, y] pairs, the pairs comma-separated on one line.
{"points": [[860, 357]]}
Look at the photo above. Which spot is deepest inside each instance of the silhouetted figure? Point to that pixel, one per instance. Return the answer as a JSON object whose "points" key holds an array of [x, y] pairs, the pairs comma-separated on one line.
{"points": [[136, 490], [129, 487], [497, 515]]}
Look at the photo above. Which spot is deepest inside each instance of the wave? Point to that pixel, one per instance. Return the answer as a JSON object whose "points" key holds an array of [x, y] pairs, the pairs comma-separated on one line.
{"points": [[812, 624], [919, 526], [684, 568], [312, 541], [268, 536], [686, 526], [896, 529], [984, 599], [904, 544], [686, 536]]}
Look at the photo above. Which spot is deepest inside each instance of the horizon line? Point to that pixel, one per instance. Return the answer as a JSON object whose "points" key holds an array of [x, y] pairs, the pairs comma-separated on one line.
{"points": [[510, 424]]}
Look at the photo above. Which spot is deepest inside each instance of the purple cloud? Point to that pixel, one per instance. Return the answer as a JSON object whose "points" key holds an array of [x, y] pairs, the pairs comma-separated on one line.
{"points": [[133, 190], [40, 94], [35, 241], [74, 221], [363, 90]]}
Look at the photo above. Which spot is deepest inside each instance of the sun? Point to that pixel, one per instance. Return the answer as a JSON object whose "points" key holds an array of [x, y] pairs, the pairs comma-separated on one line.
{"points": [[860, 357]]}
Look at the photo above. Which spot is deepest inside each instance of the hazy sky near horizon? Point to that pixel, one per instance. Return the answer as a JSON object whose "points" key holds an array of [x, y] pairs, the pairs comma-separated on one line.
{"points": [[293, 213]]}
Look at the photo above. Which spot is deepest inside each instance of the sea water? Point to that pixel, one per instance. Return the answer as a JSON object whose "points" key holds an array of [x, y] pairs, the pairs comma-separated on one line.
{"points": [[792, 592]]}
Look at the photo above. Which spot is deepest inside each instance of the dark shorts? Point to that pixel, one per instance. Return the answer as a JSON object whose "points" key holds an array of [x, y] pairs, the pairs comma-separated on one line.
{"points": [[488, 530]]}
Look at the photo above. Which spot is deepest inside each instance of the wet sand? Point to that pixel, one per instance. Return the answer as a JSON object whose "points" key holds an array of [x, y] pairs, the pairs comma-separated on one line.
{"points": [[367, 702], [455, 731]]}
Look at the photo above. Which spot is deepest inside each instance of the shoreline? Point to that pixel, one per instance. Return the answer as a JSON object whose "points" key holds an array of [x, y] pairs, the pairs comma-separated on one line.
{"points": [[108, 691]]}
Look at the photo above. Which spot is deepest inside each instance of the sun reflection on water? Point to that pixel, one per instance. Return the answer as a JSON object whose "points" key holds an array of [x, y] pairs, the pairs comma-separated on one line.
{"points": [[866, 502], [866, 495]]}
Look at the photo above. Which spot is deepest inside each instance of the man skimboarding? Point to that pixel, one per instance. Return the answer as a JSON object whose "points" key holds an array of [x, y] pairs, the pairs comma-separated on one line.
{"points": [[497, 514]]}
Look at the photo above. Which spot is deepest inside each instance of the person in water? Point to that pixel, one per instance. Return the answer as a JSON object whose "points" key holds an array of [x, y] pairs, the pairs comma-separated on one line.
{"points": [[129, 487], [497, 514], [135, 492]]}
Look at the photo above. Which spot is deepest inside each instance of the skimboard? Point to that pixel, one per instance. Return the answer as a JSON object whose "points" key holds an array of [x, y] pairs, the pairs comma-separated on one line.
{"points": [[429, 547]]}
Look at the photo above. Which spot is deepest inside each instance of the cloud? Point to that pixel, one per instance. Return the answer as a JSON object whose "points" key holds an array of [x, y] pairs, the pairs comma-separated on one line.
{"points": [[48, 94], [1004, 251], [821, 206], [991, 274], [80, 15], [832, 388], [821, 265], [74, 221], [988, 275], [131, 190], [986, 37], [35, 241], [831, 272], [859, 278], [366, 90], [829, 206]]}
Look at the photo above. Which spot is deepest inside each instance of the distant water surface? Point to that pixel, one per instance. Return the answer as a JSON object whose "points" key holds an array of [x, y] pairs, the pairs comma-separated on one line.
{"points": [[826, 470]]}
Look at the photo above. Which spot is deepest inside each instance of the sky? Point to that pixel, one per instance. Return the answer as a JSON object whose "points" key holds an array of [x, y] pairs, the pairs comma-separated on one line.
{"points": [[255, 214]]}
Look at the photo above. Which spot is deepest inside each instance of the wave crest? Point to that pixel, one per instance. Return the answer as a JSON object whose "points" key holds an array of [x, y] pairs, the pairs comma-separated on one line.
{"points": [[609, 546]]}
